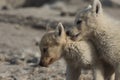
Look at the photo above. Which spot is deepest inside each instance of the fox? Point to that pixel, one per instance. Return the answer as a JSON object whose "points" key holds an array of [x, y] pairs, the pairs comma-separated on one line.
{"points": [[79, 55], [94, 25]]}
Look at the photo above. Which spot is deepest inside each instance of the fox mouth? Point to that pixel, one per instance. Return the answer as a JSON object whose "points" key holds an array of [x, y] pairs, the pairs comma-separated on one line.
{"points": [[51, 61], [75, 36], [44, 64]]}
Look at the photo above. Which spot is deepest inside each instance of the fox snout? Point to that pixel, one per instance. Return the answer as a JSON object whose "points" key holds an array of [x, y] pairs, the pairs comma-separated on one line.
{"points": [[45, 62], [42, 64]]}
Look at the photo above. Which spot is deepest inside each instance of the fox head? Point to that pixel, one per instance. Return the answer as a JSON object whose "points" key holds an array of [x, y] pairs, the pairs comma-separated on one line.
{"points": [[88, 19], [51, 46]]}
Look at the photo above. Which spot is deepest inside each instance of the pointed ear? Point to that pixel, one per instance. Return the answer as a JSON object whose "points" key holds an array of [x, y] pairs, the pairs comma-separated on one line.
{"points": [[60, 30], [97, 6]]}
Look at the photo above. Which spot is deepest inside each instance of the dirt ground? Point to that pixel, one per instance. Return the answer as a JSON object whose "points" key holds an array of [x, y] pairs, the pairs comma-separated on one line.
{"points": [[19, 53]]}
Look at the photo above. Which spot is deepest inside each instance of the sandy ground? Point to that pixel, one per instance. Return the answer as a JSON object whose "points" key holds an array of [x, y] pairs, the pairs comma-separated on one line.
{"points": [[19, 54]]}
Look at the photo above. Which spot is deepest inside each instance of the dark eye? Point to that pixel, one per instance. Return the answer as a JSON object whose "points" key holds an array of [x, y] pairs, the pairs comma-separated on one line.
{"points": [[79, 22], [45, 50]]}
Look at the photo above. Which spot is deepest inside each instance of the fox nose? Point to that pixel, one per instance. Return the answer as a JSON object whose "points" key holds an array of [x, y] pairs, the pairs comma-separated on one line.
{"points": [[42, 64]]}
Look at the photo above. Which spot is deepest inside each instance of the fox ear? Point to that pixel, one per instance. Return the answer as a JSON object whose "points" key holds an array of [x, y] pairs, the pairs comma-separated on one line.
{"points": [[97, 6], [60, 29]]}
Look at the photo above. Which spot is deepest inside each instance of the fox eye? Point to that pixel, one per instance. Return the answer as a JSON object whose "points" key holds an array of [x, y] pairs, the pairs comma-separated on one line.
{"points": [[79, 21], [45, 50]]}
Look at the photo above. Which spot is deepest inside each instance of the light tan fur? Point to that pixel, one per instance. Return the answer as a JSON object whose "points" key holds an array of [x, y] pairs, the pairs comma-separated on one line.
{"points": [[103, 33], [78, 55]]}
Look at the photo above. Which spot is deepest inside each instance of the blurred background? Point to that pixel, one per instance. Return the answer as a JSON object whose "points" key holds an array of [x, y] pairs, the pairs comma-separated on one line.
{"points": [[22, 24]]}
